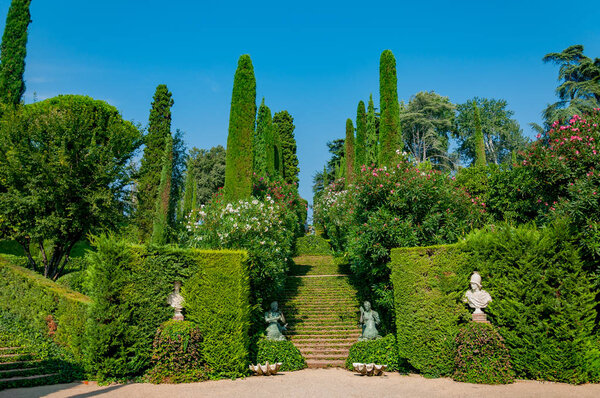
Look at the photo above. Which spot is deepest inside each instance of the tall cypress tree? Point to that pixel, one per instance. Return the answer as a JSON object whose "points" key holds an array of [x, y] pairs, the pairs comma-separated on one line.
{"points": [[189, 192], [160, 227], [389, 129], [238, 165], [349, 150], [284, 125], [264, 163], [360, 146], [372, 139], [479, 143], [159, 132], [13, 52], [325, 177]]}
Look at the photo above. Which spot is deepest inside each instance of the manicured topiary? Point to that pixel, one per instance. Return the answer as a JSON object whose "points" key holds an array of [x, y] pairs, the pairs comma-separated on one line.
{"points": [[372, 136], [312, 245], [360, 146], [481, 356], [283, 123], [349, 151], [389, 129], [13, 52], [177, 354], [264, 151], [280, 351], [382, 351]]}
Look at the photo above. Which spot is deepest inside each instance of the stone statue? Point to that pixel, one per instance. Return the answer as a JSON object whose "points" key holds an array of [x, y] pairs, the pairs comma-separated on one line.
{"points": [[368, 319], [477, 298], [175, 300], [273, 318]]}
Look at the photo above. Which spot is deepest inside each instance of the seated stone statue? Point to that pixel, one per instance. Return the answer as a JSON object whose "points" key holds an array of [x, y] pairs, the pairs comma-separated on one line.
{"points": [[477, 298], [368, 319], [273, 319]]}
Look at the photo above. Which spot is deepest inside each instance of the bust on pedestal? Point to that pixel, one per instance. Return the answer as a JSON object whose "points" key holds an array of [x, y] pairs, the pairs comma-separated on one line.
{"points": [[175, 300], [477, 298]]}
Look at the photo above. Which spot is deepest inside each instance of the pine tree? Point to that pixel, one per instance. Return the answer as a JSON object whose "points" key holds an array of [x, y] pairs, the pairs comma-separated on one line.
{"points": [[160, 227], [479, 143], [284, 125], [389, 130], [372, 139], [13, 52], [159, 132], [360, 146], [349, 150], [238, 166], [264, 152]]}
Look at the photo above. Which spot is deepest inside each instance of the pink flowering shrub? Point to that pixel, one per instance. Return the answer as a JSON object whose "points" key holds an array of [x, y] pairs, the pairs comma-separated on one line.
{"points": [[334, 210]]}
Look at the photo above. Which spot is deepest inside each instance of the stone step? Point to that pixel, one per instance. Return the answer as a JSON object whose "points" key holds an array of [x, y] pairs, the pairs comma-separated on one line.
{"points": [[330, 357], [314, 363], [21, 364], [16, 357], [329, 352], [12, 379], [4, 349], [327, 344], [20, 372]]}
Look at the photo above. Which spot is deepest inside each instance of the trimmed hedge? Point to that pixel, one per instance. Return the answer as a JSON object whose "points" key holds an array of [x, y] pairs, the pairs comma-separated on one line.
{"points": [[312, 245], [45, 306], [383, 351], [280, 351], [129, 286]]}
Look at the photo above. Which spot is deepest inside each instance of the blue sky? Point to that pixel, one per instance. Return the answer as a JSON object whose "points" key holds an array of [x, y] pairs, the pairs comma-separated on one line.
{"points": [[315, 59]]}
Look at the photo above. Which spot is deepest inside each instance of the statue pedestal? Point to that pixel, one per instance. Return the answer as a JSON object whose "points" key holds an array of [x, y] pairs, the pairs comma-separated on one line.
{"points": [[480, 317]]}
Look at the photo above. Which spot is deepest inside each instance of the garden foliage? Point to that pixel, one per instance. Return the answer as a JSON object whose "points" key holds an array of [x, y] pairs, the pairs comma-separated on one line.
{"points": [[312, 245], [280, 351], [382, 351], [13, 52]]}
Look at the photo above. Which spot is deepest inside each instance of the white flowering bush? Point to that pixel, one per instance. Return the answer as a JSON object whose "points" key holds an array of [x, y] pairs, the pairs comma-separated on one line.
{"points": [[262, 227], [334, 210]]}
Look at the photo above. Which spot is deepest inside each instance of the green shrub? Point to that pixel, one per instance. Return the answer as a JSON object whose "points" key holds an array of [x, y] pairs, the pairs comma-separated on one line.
{"points": [[312, 245], [426, 304], [74, 281], [44, 305], [383, 351], [481, 356], [11, 247], [177, 354], [280, 351]]}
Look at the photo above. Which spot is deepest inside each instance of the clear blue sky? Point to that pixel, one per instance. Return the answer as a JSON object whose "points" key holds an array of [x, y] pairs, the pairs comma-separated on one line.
{"points": [[315, 59]]}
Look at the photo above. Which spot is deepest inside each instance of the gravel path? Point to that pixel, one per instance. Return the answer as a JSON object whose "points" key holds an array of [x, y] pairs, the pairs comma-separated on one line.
{"points": [[314, 383]]}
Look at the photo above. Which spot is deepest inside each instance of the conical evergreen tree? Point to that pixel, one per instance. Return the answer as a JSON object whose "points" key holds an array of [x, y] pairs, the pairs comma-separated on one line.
{"points": [[159, 132], [238, 165], [325, 177], [372, 139], [479, 143], [360, 146], [390, 138], [284, 125], [13, 52], [264, 163], [349, 151], [189, 191], [160, 228]]}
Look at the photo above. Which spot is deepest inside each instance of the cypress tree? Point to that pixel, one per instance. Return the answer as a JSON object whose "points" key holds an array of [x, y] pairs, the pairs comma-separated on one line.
{"points": [[372, 140], [264, 163], [284, 125], [389, 128], [238, 164], [160, 227], [159, 132], [189, 191], [479, 143], [360, 146], [340, 170], [325, 177], [13, 52], [349, 150]]}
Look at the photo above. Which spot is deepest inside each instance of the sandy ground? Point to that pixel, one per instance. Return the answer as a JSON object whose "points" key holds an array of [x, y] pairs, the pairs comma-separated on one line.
{"points": [[314, 383]]}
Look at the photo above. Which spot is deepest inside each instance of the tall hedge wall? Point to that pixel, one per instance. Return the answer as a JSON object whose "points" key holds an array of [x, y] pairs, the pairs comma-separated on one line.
{"points": [[129, 286], [543, 301], [41, 302]]}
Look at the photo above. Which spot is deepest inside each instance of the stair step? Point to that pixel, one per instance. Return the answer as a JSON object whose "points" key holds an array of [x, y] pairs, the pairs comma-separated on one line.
{"points": [[13, 364], [7, 371], [325, 363], [10, 379]]}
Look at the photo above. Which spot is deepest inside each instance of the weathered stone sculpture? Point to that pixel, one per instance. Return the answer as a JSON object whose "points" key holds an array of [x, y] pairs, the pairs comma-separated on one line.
{"points": [[477, 298], [369, 369], [273, 319], [267, 369], [368, 319], [176, 301]]}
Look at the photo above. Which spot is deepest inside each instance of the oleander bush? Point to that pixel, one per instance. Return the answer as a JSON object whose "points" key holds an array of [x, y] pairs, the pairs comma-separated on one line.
{"points": [[481, 356], [177, 354], [280, 351], [382, 351], [312, 245]]}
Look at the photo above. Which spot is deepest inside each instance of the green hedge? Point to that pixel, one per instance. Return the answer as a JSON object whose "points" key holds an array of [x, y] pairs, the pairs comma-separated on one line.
{"points": [[544, 301], [383, 351], [312, 245], [46, 306], [129, 286], [428, 308], [280, 351]]}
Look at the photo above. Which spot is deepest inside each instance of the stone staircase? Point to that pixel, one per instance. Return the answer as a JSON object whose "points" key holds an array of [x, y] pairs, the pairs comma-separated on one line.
{"points": [[322, 311], [19, 368]]}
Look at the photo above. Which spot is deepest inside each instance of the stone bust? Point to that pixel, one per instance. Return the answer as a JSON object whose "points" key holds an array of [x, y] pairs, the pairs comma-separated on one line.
{"points": [[176, 301], [275, 323], [477, 298], [369, 319]]}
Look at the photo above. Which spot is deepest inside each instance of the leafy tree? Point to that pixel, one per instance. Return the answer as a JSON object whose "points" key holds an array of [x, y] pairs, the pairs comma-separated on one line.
{"points": [[64, 166], [160, 228], [208, 170], [13, 51], [501, 133], [372, 133], [349, 143], [427, 122], [360, 147], [238, 168], [579, 90], [264, 152], [284, 124], [390, 138], [330, 170]]}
